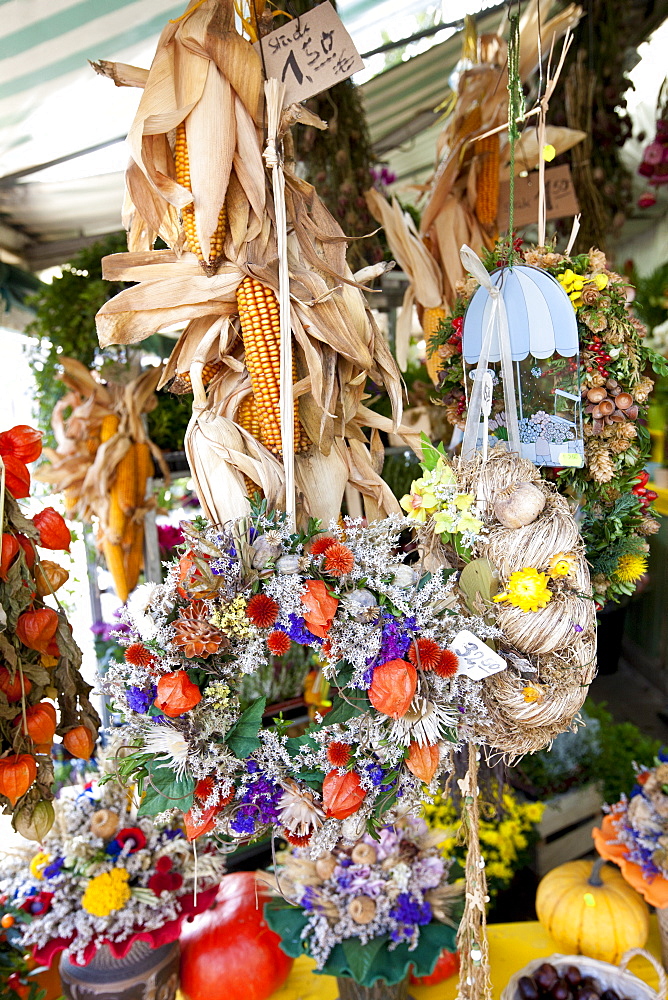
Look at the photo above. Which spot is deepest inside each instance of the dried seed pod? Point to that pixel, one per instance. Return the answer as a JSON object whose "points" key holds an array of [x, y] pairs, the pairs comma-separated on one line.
{"points": [[324, 867], [596, 412], [611, 383], [632, 412], [518, 504], [596, 394], [364, 854], [618, 417], [624, 400], [606, 406], [362, 909], [104, 823], [49, 576]]}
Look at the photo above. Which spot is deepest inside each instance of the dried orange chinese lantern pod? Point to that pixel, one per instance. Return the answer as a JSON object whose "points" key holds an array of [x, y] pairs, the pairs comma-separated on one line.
{"points": [[342, 794], [393, 687], [177, 694], [321, 607], [422, 761], [79, 742], [37, 630], [9, 552], [17, 773], [23, 442], [53, 532], [49, 576], [17, 477], [39, 723], [11, 685]]}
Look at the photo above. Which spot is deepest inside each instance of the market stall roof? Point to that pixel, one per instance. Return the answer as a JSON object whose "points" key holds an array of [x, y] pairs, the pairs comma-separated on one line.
{"points": [[61, 126]]}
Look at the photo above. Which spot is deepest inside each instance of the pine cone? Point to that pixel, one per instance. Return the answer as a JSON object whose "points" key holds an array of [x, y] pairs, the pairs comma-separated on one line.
{"points": [[648, 526], [196, 636], [600, 463], [642, 390], [618, 445]]}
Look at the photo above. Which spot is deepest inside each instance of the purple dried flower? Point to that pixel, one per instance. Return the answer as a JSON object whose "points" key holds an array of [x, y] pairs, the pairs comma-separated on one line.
{"points": [[140, 700]]}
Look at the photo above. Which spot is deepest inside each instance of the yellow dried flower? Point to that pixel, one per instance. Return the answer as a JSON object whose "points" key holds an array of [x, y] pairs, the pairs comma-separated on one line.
{"points": [[527, 590], [231, 618], [630, 567], [562, 564], [532, 694], [40, 861], [107, 892]]}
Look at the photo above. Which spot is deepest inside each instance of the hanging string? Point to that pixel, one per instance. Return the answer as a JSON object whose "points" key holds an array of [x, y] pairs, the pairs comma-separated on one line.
{"points": [[515, 115]]}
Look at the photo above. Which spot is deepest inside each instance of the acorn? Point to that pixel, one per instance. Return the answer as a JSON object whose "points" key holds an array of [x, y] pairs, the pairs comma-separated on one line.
{"points": [[104, 823], [362, 909]]}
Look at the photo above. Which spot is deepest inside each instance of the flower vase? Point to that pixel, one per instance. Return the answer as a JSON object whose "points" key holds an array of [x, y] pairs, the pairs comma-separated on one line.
{"points": [[145, 973], [351, 990]]}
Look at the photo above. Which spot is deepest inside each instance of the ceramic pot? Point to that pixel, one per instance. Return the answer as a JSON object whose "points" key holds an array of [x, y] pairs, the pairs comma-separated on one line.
{"points": [[144, 974], [350, 990]]}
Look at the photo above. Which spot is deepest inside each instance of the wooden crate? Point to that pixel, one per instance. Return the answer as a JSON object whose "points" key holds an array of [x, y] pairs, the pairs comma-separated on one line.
{"points": [[565, 829]]}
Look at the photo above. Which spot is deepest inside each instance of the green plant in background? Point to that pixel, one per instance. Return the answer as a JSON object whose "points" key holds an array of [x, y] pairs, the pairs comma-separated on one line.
{"points": [[602, 750], [651, 296], [280, 679]]}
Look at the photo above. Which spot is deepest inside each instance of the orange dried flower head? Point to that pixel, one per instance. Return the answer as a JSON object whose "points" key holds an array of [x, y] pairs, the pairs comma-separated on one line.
{"points": [[392, 687], [426, 655], [342, 794], [321, 545], [196, 636], [338, 754], [262, 610], [339, 560], [278, 643], [448, 664], [138, 655], [296, 840], [177, 694]]}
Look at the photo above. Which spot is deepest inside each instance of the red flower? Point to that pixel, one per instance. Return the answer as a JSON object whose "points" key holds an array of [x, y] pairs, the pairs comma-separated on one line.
{"points": [[428, 651], [203, 788], [138, 655], [320, 608], [321, 545], [38, 905], [392, 687], [262, 610], [134, 834], [339, 560], [342, 794], [53, 532], [17, 477], [10, 550], [164, 879], [458, 324], [448, 664], [296, 840], [338, 754], [177, 694], [163, 864], [278, 643], [23, 442]]}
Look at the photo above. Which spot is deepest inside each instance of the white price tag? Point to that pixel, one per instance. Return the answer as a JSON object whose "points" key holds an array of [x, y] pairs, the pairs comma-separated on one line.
{"points": [[476, 660], [310, 53]]}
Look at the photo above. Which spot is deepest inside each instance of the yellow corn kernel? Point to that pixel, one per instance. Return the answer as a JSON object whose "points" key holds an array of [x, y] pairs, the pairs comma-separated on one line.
{"points": [[182, 384], [431, 319], [124, 488], [260, 329], [248, 418], [487, 192], [133, 553], [182, 170], [108, 427], [145, 470], [113, 554]]}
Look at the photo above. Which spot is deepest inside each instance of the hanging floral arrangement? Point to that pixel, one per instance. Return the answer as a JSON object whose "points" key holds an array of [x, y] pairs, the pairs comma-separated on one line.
{"points": [[42, 693], [615, 386]]}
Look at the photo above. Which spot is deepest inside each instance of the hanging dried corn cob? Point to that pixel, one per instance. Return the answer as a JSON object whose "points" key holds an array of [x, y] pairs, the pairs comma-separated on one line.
{"points": [[431, 320], [260, 329], [248, 418], [182, 166], [182, 384], [487, 181]]}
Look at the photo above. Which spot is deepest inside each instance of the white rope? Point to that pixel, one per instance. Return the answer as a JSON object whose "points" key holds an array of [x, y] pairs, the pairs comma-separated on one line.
{"points": [[275, 94]]}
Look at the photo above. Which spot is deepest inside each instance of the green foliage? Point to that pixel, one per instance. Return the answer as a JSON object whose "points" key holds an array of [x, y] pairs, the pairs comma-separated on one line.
{"points": [[167, 423], [651, 298], [164, 790], [242, 738]]}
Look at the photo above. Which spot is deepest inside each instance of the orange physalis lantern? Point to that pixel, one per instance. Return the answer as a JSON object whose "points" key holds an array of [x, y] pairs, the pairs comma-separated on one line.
{"points": [[40, 722], [17, 773], [177, 694], [320, 607], [49, 576], [11, 686], [23, 442], [17, 477], [342, 794], [393, 687], [37, 630], [79, 742], [28, 550], [53, 532], [422, 761], [10, 550]]}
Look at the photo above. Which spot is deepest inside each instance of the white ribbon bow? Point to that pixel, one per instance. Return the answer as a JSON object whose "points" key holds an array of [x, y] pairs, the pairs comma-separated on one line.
{"points": [[497, 323]]}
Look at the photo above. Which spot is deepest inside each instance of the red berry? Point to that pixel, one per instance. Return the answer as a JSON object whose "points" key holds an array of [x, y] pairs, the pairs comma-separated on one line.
{"points": [[639, 491], [643, 478], [650, 495]]}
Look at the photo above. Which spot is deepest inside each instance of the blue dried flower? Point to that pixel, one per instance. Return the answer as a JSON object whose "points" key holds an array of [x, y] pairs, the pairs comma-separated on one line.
{"points": [[140, 700]]}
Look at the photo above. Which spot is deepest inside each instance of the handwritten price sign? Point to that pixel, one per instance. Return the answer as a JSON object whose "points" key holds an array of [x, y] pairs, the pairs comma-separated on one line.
{"points": [[560, 199], [310, 54], [476, 659]]}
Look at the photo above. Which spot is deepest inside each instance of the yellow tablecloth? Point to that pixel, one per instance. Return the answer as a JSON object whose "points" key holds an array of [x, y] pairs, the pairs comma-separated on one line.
{"points": [[511, 946]]}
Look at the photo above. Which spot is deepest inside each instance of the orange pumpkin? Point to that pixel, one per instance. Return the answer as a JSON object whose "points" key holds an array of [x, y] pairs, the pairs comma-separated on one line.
{"points": [[21, 441], [17, 477], [392, 687], [177, 694], [40, 722], [11, 686], [342, 794], [10, 550], [53, 532], [17, 773], [422, 761], [37, 630], [79, 742]]}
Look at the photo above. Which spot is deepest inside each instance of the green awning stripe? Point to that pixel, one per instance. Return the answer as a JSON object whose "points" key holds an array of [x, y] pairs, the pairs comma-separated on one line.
{"points": [[49, 28], [101, 50]]}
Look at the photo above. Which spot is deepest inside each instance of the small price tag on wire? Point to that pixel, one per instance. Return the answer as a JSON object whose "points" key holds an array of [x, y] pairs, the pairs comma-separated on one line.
{"points": [[310, 54]]}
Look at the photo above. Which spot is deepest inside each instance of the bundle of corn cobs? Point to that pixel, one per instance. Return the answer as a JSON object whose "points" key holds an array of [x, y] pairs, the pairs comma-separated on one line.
{"points": [[463, 193], [197, 179], [102, 462]]}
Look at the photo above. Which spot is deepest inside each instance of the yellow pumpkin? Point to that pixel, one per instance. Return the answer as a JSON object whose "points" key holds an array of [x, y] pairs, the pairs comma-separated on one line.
{"points": [[589, 909]]}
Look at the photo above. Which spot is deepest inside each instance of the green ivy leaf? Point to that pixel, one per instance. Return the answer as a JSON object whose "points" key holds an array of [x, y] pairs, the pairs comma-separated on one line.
{"points": [[343, 711], [242, 737], [165, 791]]}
